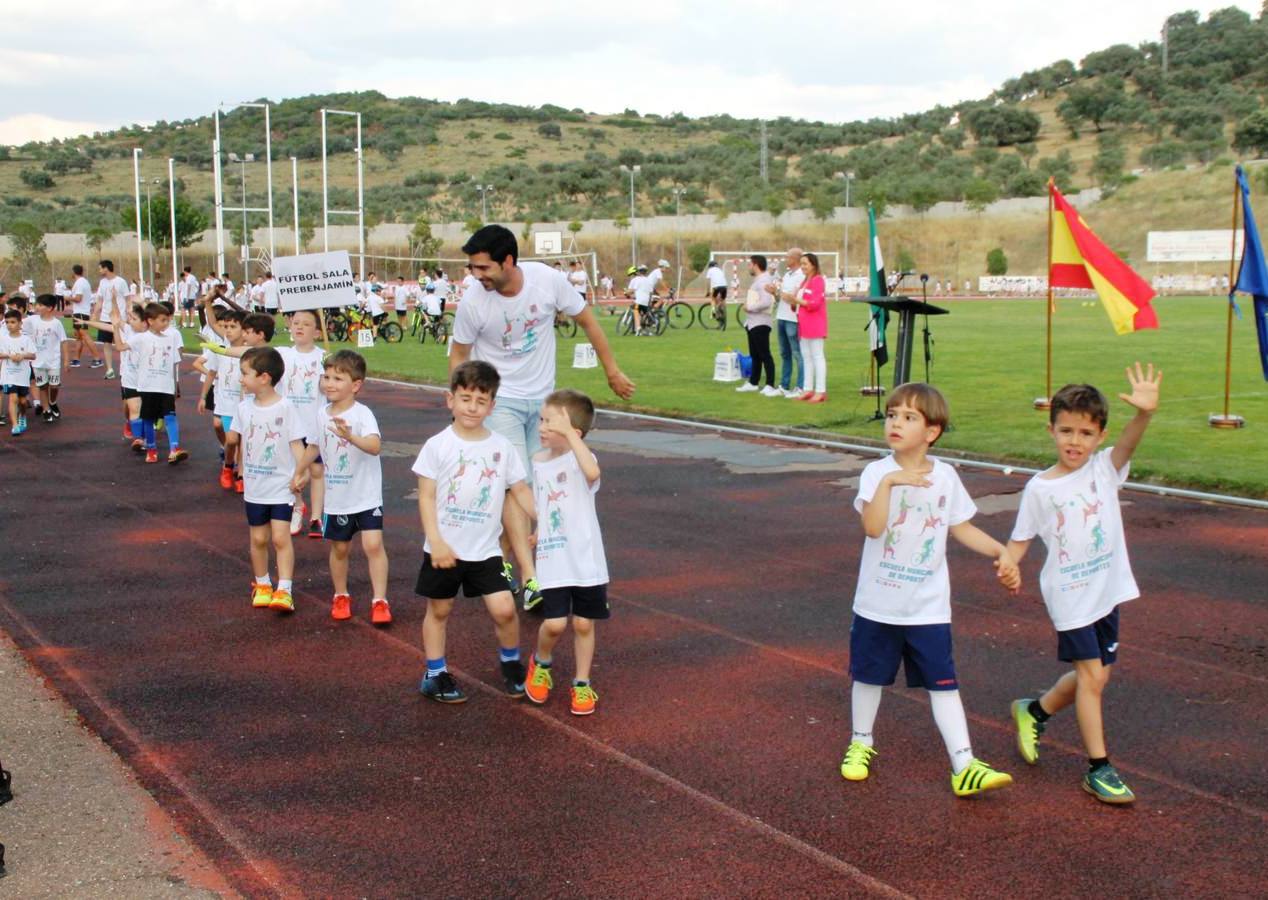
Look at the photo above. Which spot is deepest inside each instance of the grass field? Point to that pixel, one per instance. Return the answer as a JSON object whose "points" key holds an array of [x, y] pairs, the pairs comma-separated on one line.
{"points": [[988, 359]]}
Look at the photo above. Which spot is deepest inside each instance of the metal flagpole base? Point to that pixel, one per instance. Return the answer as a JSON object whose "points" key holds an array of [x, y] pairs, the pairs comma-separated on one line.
{"points": [[1042, 403], [872, 390], [1230, 421]]}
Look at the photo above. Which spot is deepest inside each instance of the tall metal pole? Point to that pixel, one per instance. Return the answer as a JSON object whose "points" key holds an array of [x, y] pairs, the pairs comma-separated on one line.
{"points": [[1227, 420], [325, 190], [295, 200], [149, 227], [136, 175], [678, 237], [845, 243], [360, 200], [246, 237], [268, 176], [171, 206], [1045, 402], [220, 200]]}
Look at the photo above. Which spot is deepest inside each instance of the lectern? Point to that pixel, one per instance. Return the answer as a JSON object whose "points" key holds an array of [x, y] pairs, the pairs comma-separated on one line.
{"points": [[907, 310]]}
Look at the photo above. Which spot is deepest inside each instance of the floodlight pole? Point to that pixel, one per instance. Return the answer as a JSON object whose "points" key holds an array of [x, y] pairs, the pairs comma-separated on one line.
{"points": [[171, 208], [268, 175], [219, 195], [246, 236], [678, 192], [295, 200], [136, 175], [325, 190], [632, 170], [326, 211], [360, 199]]}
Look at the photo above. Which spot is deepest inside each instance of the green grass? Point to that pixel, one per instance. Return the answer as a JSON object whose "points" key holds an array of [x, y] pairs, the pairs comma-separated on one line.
{"points": [[989, 361]]}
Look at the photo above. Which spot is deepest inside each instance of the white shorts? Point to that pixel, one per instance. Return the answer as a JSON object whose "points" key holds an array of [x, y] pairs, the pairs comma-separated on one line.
{"points": [[50, 376]]}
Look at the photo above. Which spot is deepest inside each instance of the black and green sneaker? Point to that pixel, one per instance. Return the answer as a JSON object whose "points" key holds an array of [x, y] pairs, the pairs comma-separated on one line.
{"points": [[1029, 730], [1105, 784], [532, 595], [508, 572], [513, 675], [442, 688]]}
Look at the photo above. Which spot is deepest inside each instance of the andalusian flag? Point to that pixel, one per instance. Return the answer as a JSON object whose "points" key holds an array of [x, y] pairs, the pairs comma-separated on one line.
{"points": [[876, 287], [1080, 260]]}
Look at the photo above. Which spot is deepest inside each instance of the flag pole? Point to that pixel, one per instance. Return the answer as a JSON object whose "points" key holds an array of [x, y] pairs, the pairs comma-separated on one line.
{"points": [[1227, 420], [1045, 402]]}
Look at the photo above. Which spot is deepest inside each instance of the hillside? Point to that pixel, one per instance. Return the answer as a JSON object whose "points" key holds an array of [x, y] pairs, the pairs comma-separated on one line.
{"points": [[1092, 123]]}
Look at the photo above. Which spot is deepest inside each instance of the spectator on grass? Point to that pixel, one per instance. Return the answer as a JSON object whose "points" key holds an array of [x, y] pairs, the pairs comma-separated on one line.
{"points": [[786, 327], [812, 326], [757, 321]]}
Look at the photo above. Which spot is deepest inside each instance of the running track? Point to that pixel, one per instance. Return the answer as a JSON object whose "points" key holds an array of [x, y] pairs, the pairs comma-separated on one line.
{"points": [[296, 753]]}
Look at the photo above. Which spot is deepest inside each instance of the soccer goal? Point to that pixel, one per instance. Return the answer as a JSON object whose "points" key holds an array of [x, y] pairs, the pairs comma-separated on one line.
{"points": [[409, 266], [734, 265]]}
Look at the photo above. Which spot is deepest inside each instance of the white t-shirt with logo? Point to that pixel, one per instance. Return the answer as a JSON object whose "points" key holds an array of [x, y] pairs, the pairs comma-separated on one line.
{"points": [[156, 360], [789, 284], [903, 578], [81, 294], [301, 382], [16, 372], [129, 360], [268, 461], [471, 478], [1077, 516], [354, 478], [48, 337], [113, 294], [228, 374], [517, 334], [569, 543]]}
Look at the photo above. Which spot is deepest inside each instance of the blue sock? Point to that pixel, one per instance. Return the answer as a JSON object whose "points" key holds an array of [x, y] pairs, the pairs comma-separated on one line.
{"points": [[435, 667], [138, 428], [148, 428], [173, 430], [511, 654]]}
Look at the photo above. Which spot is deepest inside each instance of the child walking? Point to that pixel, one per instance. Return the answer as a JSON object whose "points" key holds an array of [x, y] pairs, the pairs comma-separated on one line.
{"points": [[571, 567], [268, 429], [157, 362], [49, 334], [302, 386], [910, 502], [346, 434], [16, 352], [464, 473], [1073, 508]]}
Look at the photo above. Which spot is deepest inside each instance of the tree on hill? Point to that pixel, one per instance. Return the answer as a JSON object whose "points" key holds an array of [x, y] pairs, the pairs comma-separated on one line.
{"points": [[1252, 133], [996, 262], [1002, 126], [29, 249], [191, 222], [1120, 59], [1103, 102], [96, 236]]}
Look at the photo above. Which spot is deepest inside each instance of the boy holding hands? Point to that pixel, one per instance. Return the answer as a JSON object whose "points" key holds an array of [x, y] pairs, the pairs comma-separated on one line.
{"points": [[16, 352], [464, 473], [1073, 507], [157, 361], [910, 502], [49, 334]]}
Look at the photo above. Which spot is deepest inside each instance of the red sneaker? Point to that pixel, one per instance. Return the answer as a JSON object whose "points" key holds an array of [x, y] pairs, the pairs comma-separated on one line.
{"points": [[239, 486], [177, 456], [226, 478], [151, 456], [818, 398], [341, 607], [380, 612], [127, 433]]}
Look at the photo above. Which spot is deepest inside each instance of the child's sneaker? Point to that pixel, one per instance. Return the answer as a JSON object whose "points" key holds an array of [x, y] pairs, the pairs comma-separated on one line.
{"points": [[127, 433], [22, 423], [513, 677], [110, 375], [239, 486], [151, 455], [442, 688], [226, 478], [177, 455], [584, 699], [138, 445], [297, 518], [56, 411], [508, 572], [532, 595], [539, 682], [976, 777], [4, 420], [341, 607], [96, 364], [261, 595], [1105, 784], [315, 530], [16, 430], [380, 612], [74, 364], [1029, 730], [857, 764], [48, 415], [282, 601]]}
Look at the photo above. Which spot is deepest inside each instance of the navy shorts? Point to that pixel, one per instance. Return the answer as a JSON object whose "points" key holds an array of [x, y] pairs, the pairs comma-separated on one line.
{"points": [[263, 513], [477, 579], [587, 602], [1096, 641], [342, 526], [129, 393], [20, 389], [876, 649]]}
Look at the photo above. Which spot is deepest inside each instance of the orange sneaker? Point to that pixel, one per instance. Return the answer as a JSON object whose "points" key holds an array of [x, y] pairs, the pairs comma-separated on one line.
{"points": [[151, 456], [380, 612], [127, 433], [341, 607], [239, 486], [584, 700], [261, 595], [226, 478], [282, 601], [538, 682]]}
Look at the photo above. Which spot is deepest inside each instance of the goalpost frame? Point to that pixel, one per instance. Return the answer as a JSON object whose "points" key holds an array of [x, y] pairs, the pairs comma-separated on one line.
{"points": [[775, 259]]}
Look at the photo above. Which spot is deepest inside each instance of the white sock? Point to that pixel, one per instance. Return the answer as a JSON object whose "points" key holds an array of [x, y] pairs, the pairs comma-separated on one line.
{"points": [[264, 579], [948, 713], [865, 701], [283, 584]]}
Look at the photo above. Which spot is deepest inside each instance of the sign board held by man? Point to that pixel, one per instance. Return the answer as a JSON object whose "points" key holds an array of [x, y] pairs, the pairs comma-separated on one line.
{"points": [[314, 281]]}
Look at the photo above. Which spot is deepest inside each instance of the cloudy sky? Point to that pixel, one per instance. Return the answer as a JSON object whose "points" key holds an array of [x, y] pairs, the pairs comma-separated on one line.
{"points": [[77, 66]]}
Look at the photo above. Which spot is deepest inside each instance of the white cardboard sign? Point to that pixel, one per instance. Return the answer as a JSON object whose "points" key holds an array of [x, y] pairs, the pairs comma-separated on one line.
{"points": [[314, 281], [365, 337]]}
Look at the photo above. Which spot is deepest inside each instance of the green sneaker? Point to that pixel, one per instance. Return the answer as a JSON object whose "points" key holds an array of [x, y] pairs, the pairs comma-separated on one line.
{"points": [[978, 777], [532, 594], [1106, 785], [508, 572], [1029, 730], [857, 764]]}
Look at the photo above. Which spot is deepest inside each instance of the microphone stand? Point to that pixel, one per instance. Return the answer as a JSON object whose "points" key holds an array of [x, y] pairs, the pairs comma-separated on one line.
{"points": [[924, 299], [874, 371]]}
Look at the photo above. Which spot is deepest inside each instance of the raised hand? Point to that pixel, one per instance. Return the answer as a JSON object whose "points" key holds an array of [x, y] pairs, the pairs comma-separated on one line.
{"points": [[1145, 386], [556, 421], [340, 428]]}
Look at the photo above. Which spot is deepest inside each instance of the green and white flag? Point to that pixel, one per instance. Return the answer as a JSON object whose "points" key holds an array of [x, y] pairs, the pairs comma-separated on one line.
{"points": [[877, 287]]}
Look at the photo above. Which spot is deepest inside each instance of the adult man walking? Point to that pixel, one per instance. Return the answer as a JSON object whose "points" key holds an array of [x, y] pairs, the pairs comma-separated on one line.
{"points": [[507, 318]]}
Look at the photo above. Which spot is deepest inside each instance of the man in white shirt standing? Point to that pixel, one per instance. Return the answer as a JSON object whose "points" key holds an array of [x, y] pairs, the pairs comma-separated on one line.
{"points": [[579, 279], [786, 327], [268, 290], [507, 319], [112, 295], [81, 300], [187, 293]]}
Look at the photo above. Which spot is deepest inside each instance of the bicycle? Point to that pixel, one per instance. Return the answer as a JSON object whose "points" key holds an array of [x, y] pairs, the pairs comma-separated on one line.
{"points": [[713, 317], [654, 321], [677, 313], [341, 324], [565, 325]]}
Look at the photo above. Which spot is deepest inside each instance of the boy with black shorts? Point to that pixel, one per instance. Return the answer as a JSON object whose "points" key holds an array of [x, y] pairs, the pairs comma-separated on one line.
{"points": [[1073, 507], [16, 352], [48, 333], [157, 362], [464, 474], [81, 297], [346, 434], [571, 567], [272, 446]]}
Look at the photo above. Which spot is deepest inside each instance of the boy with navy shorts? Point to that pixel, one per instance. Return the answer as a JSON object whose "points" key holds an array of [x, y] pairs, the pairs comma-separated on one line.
{"points": [[17, 350], [268, 429], [302, 386], [1073, 508], [910, 502], [571, 567], [158, 359], [464, 474], [346, 433]]}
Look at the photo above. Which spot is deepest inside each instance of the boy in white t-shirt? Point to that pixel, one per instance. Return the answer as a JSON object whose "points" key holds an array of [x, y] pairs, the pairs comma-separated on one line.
{"points": [[302, 386], [910, 502], [16, 352], [269, 430], [572, 570], [157, 360], [464, 474], [1073, 507], [346, 434], [48, 333], [223, 391]]}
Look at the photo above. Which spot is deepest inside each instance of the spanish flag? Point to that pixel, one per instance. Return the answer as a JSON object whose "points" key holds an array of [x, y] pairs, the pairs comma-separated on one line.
{"points": [[1080, 260]]}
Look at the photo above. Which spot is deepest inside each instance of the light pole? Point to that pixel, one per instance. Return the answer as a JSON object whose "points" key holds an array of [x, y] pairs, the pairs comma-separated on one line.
{"points": [[632, 170], [847, 177], [485, 190], [136, 177], [678, 192], [149, 224], [171, 208], [246, 236], [295, 200]]}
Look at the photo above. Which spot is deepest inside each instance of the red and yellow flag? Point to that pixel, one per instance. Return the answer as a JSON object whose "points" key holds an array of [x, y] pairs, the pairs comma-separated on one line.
{"points": [[1080, 260]]}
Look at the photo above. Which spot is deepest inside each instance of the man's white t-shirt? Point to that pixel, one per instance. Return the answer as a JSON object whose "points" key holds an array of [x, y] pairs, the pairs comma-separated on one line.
{"points": [[354, 478], [113, 294], [18, 372], [641, 287], [717, 278], [468, 282], [579, 280], [189, 287], [1077, 516], [569, 543], [301, 383], [654, 278], [81, 295], [789, 284], [48, 337], [903, 577], [517, 334], [471, 478], [268, 463], [156, 359], [269, 290]]}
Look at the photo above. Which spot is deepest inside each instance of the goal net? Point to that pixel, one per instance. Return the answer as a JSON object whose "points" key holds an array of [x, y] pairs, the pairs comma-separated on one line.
{"points": [[734, 265]]}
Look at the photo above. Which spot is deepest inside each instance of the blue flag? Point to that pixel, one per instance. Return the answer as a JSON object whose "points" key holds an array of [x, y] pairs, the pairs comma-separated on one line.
{"points": [[1252, 275]]}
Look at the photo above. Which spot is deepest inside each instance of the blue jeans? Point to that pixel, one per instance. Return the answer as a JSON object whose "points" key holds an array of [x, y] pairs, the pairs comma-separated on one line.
{"points": [[789, 350], [518, 421]]}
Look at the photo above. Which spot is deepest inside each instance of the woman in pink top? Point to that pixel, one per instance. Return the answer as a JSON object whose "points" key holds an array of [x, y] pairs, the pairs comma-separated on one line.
{"points": [[812, 327]]}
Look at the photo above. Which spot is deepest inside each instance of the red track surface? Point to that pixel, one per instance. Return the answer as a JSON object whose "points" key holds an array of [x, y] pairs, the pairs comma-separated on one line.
{"points": [[297, 754]]}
